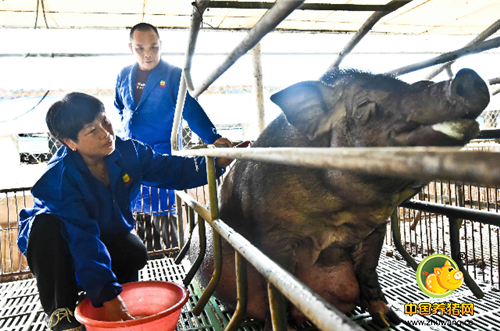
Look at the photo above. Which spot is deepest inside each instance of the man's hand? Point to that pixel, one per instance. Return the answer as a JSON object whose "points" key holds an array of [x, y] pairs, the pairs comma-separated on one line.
{"points": [[116, 310], [222, 162]]}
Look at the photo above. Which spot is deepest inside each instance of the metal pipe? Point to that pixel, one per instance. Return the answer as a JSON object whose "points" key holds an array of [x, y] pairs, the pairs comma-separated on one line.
{"points": [[267, 23], [494, 81], [180, 225], [179, 107], [451, 56], [217, 249], [306, 6], [258, 86], [198, 207], [323, 315], [199, 7], [300, 295], [425, 163], [199, 259], [482, 216], [456, 256], [242, 292], [367, 26], [277, 308], [396, 234], [479, 38]]}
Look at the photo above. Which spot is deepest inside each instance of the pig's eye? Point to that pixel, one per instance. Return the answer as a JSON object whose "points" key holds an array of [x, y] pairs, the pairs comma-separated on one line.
{"points": [[450, 269], [365, 110]]}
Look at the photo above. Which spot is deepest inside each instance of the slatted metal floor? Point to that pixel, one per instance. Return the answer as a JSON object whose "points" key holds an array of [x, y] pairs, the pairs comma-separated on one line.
{"points": [[20, 308]]}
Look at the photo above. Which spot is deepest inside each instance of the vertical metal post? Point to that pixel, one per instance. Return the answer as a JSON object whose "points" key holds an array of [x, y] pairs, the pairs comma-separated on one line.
{"points": [[396, 234], [201, 255], [181, 98], [455, 255], [214, 212], [180, 225], [277, 307], [258, 87], [242, 288]]}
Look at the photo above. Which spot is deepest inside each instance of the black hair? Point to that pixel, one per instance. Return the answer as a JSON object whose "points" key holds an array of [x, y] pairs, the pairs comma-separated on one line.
{"points": [[143, 27], [68, 116]]}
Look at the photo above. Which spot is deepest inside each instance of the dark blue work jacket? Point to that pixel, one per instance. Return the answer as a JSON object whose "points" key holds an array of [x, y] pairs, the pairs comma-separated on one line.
{"points": [[88, 209], [150, 121]]}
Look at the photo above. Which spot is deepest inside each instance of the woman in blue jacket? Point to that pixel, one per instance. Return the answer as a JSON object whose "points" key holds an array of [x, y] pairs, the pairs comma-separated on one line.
{"points": [[79, 232]]}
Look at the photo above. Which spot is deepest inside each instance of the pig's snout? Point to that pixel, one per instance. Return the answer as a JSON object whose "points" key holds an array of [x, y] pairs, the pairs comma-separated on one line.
{"points": [[458, 275], [468, 88]]}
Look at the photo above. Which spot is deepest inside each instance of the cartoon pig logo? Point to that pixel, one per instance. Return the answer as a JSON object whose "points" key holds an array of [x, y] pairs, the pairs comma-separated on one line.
{"points": [[438, 276], [444, 279]]}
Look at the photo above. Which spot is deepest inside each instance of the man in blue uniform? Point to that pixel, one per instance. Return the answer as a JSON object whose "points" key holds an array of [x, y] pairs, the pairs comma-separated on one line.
{"points": [[78, 235], [146, 96]]}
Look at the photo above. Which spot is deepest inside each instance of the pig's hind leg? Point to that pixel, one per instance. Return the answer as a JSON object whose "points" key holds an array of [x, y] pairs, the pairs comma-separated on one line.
{"points": [[365, 258]]}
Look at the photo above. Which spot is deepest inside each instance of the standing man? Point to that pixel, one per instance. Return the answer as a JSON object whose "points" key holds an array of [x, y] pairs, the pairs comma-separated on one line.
{"points": [[146, 96]]}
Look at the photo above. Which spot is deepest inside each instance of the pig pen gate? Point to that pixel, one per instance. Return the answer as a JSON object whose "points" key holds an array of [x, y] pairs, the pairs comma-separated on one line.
{"points": [[429, 163]]}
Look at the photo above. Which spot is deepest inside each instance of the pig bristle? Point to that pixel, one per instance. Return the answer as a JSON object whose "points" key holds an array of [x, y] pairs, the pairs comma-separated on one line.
{"points": [[370, 80]]}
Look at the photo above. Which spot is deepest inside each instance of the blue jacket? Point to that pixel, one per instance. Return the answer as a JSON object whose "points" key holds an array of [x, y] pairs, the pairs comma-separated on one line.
{"points": [[151, 120], [87, 209]]}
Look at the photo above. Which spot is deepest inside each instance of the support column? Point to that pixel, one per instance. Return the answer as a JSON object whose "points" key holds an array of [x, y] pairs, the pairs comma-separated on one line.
{"points": [[258, 87]]}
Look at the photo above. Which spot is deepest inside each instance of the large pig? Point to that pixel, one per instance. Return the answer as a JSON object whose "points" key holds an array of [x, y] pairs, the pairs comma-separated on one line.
{"points": [[327, 226]]}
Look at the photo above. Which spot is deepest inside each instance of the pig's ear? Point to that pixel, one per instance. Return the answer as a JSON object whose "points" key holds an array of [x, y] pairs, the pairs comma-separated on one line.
{"points": [[437, 271], [305, 107]]}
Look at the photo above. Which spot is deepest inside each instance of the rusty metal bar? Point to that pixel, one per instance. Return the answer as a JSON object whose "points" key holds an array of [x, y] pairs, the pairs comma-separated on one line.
{"points": [[217, 249], [479, 38], [307, 6], [451, 56], [455, 255], [199, 259], [321, 313], [258, 86], [180, 224], [277, 308], [280, 10], [396, 234], [242, 292], [481, 216], [199, 7], [426, 163], [367, 26]]}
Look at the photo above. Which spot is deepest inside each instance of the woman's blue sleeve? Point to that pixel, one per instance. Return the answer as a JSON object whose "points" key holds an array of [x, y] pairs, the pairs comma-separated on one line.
{"points": [[90, 256], [172, 172]]}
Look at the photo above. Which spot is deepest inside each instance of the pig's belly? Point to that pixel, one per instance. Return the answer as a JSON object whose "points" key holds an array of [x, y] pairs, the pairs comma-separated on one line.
{"points": [[335, 281]]}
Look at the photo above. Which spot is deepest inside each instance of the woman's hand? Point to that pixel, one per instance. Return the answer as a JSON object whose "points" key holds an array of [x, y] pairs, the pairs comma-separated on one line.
{"points": [[116, 310]]}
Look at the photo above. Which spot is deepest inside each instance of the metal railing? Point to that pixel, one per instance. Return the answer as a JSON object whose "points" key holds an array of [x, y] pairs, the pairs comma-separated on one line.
{"points": [[428, 163]]}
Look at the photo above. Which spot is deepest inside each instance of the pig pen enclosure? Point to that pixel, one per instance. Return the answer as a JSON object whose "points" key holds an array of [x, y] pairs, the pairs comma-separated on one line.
{"points": [[456, 214]]}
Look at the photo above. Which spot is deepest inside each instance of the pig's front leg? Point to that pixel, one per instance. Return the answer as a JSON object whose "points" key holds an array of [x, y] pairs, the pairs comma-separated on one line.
{"points": [[365, 259]]}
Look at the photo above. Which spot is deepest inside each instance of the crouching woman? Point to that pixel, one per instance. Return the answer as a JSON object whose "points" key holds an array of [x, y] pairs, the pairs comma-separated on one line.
{"points": [[78, 235]]}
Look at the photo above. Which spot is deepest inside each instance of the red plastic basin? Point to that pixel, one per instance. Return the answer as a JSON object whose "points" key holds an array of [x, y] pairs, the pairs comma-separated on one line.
{"points": [[160, 301]]}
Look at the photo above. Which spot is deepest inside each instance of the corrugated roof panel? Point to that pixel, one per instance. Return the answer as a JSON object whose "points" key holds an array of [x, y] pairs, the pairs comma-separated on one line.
{"points": [[168, 21], [401, 28], [93, 6], [175, 7], [238, 22], [439, 12], [346, 16], [299, 25], [335, 26], [75, 20]]}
